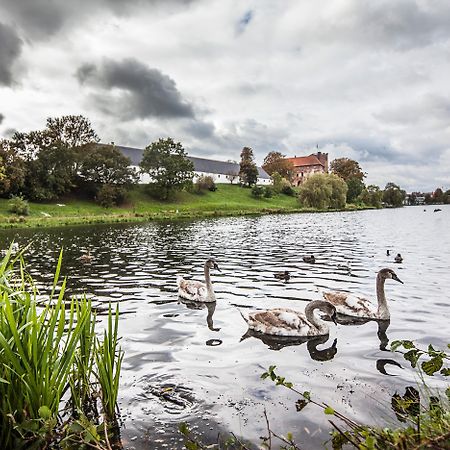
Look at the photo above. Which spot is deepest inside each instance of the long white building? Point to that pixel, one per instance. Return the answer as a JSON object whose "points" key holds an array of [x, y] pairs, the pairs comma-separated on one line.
{"points": [[221, 171]]}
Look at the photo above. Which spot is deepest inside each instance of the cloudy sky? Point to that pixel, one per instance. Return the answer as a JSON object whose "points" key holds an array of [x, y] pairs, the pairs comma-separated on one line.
{"points": [[367, 80]]}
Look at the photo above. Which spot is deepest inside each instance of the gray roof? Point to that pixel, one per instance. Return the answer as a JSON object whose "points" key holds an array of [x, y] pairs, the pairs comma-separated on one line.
{"points": [[200, 164]]}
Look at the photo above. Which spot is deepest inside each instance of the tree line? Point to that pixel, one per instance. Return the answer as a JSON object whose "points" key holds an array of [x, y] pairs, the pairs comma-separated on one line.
{"points": [[66, 157]]}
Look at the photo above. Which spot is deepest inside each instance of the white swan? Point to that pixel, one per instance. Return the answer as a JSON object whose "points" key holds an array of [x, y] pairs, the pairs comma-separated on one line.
{"points": [[351, 305], [288, 322], [196, 291]]}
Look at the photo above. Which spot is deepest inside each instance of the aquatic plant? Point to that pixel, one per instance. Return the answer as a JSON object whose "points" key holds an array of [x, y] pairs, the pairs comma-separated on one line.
{"points": [[49, 359]]}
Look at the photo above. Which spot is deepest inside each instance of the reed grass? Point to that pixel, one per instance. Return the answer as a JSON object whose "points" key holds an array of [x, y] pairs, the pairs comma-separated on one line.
{"points": [[50, 358]]}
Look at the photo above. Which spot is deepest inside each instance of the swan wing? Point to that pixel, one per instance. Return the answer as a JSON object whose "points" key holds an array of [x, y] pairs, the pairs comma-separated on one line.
{"points": [[351, 305], [191, 289], [279, 322]]}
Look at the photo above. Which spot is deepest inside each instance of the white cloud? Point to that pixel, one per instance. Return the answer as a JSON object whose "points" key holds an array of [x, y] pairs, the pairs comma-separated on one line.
{"points": [[366, 80]]}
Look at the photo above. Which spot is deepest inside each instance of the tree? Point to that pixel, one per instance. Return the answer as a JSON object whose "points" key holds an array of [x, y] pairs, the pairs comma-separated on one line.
{"points": [[438, 196], [323, 191], [347, 169], [105, 164], [13, 169], [371, 196], [355, 187], [72, 131], [248, 172], [276, 162], [51, 174], [393, 195], [167, 164]]}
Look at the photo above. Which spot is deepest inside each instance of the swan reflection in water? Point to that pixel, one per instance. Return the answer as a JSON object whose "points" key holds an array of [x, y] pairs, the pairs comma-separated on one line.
{"points": [[210, 306], [383, 325], [279, 342]]}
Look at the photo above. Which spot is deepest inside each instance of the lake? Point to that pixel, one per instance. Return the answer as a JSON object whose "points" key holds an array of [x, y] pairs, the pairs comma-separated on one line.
{"points": [[203, 354]]}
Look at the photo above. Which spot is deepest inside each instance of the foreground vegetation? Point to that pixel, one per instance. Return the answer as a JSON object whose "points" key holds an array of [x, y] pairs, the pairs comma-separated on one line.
{"points": [[58, 378], [425, 418]]}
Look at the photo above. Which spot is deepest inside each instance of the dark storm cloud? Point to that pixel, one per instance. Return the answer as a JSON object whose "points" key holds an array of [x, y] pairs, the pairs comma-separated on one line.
{"points": [[131, 89], [42, 18], [10, 48]]}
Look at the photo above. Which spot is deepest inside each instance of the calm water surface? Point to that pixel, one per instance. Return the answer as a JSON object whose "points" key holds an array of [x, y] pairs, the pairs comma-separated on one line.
{"points": [[204, 353]]}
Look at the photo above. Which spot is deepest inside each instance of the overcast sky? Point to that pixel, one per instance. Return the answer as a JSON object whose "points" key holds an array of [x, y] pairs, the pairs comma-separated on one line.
{"points": [[367, 80]]}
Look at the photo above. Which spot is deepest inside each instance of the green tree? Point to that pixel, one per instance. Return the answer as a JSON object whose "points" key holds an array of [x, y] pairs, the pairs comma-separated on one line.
{"points": [[105, 164], [277, 162], [371, 196], [355, 187], [347, 169], [438, 196], [248, 172], [393, 195], [72, 131], [14, 171], [323, 191], [447, 197], [167, 164]]}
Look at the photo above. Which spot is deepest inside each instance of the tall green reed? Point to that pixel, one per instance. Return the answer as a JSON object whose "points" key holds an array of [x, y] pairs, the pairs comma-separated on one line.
{"points": [[47, 349]]}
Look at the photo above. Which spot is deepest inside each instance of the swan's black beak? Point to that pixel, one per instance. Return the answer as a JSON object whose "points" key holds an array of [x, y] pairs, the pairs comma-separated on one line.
{"points": [[396, 278], [217, 267], [333, 318]]}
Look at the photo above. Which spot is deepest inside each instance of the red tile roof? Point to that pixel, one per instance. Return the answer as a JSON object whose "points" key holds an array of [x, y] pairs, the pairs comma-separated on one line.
{"points": [[310, 160]]}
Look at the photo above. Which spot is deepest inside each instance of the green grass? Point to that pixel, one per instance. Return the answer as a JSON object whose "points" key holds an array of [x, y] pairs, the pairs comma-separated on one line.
{"points": [[228, 200]]}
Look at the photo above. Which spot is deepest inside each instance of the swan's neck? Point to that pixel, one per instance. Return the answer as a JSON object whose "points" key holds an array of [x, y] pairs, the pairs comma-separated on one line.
{"points": [[383, 310], [208, 283], [313, 319]]}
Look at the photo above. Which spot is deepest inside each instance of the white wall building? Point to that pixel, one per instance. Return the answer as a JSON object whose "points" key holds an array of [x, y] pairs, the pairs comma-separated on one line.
{"points": [[221, 171]]}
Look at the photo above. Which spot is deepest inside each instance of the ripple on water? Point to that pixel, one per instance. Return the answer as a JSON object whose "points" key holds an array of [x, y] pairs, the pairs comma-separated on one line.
{"points": [[194, 364]]}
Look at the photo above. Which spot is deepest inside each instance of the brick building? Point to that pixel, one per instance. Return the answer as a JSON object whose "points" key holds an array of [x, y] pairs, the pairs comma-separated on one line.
{"points": [[304, 166]]}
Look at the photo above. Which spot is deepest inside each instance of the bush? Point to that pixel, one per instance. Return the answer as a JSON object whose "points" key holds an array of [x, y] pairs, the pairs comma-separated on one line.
{"points": [[109, 195], [288, 190], [268, 192], [18, 205], [257, 191], [205, 183]]}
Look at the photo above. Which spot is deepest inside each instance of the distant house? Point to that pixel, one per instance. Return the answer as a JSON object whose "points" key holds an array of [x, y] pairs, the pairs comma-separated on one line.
{"points": [[305, 166], [221, 171]]}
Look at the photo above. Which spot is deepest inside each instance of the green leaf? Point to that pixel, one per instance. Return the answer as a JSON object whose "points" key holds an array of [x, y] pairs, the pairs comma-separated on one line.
{"points": [[44, 412], [307, 395], [329, 410], [447, 393], [184, 429], [289, 436], [445, 371], [432, 366], [412, 356]]}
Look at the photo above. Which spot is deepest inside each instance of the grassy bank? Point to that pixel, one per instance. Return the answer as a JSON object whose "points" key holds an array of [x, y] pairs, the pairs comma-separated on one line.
{"points": [[228, 200]]}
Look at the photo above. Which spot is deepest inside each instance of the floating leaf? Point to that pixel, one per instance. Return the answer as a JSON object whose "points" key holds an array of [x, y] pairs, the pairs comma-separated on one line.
{"points": [[329, 410], [307, 395], [432, 366], [445, 371]]}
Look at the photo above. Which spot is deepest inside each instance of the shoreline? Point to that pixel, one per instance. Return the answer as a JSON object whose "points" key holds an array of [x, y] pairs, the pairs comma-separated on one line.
{"points": [[168, 215]]}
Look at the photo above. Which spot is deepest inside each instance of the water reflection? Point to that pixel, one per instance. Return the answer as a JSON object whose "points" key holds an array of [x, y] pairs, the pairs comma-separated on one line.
{"points": [[382, 363], [279, 342], [210, 306]]}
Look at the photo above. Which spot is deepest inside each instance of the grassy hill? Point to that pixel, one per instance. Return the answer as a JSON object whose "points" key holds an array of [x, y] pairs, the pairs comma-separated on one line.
{"points": [[227, 200]]}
